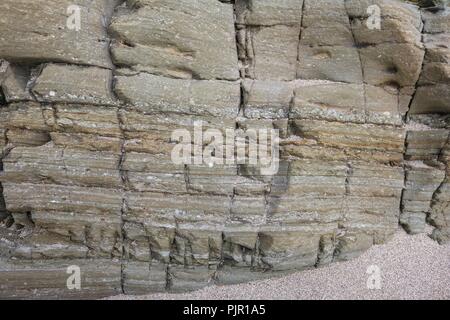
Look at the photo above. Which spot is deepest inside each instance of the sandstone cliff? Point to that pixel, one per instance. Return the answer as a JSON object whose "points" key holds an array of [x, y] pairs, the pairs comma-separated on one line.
{"points": [[86, 117]]}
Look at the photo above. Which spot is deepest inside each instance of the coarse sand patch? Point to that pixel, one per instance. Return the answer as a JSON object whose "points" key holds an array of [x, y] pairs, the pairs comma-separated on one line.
{"points": [[411, 267]]}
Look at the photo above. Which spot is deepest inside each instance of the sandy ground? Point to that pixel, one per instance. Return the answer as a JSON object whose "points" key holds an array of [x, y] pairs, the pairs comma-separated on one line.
{"points": [[411, 267]]}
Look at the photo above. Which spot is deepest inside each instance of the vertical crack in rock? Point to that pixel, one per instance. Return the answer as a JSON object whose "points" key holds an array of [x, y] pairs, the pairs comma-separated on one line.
{"points": [[245, 39], [430, 178], [348, 175], [186, 176], [401, 207], [416, 85], [256, 262], [242, 104], [35, 72], [168, 279], [433, 217], [300, 38], [2, 97], [327, 250], [357, 46], [123, 173], [431, 93], [425, 169], [250, 50], [3, 212], [5, 215], [124, 206], [241, 52], [4, 68], [343, 218]]}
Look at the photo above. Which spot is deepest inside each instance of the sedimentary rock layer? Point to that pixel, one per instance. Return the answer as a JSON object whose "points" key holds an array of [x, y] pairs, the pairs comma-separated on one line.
{"points": [[87, 117]]}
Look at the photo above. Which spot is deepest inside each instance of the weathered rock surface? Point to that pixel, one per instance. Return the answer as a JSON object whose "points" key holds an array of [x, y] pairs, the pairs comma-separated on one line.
{"points": [[433, 92], [37, 31], [86, 123], [182, 39]]}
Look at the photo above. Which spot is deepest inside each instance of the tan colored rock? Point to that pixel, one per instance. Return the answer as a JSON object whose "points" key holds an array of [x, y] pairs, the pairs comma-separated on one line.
{"points": [[397, 64], [26, 197], [439, 215], [74, 84], [425, 145], [153, 94], [326, 48], [421, 183], [343, 136], [37, 31], [267, 99], [15, 86], [89, 142], [302, 250], [269, 12], [436, 22], [18, 278], [195, 41], [139, 278], [432, 94], [431, 99], [182, 279], [102, 121], [23, 137], [30, 116], [384, 105], [2, 138], [271, 52], [48, 164], [372, 180], [333, 102], [334, 63], [351, 244], [401, 22]]}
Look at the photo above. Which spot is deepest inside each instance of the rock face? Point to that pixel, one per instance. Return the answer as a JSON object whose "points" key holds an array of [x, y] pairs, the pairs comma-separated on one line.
{"points": [[86, 123]]}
